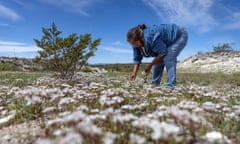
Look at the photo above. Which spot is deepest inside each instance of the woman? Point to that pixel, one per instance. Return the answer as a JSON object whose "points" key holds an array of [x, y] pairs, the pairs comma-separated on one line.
{"points": [[163, 42]]}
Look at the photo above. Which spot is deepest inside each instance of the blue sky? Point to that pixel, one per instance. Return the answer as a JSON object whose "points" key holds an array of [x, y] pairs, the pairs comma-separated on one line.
{"points": [[208, 22]]}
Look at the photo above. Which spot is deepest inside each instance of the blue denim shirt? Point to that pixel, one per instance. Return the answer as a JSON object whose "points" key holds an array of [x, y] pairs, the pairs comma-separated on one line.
{"points": [[157, 39]]}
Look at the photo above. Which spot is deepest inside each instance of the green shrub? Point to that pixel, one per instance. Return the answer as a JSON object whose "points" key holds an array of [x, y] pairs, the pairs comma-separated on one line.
{"points": [[86, 69], [225, 47], [64, 55]]}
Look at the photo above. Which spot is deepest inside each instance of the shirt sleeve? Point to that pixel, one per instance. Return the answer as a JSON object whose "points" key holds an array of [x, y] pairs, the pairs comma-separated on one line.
{"points": [[137, 57], [159, 47]]}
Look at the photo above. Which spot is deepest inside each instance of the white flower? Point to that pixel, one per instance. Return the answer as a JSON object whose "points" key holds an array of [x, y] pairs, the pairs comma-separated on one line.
{"points": [[227, 109], [58, 132], [109, 138], [164, 130], [188, 105], [49, 109], [83, 108], [124, 118], [209, 107], [74, 117], [33, 100], [70, 138], [136, 139], [95, 111], [55, 121], [231, 115], [127, 107], [184, 116], [214, 137], [67, 118], [161, 130], [66, 100], [105, 100], [6, 119], [45, 141], [87, 127]]}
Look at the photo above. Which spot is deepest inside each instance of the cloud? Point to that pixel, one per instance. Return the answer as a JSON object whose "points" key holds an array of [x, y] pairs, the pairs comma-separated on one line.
{"points": [[78, 6], [232, 26], [8, 13], [120, 44], [235, 22], [221, 41], [4, 24], [116, 50], [26, 4], [10, 46], [21, 3], [185, 12]]}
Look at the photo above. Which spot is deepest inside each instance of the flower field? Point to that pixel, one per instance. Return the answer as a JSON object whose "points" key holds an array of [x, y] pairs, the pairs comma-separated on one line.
{"points": [[99, 108]]}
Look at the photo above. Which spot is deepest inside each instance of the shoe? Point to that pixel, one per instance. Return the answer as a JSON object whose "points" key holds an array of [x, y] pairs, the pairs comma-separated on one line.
{"points": [[169, 88]]}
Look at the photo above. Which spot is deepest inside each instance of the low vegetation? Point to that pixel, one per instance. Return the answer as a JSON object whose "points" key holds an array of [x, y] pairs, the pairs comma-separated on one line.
{"points": [[107, 108], [8, 67], [19, 79], [224, 47]]}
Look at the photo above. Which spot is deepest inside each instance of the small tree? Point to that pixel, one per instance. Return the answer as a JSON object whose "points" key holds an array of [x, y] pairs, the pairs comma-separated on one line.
{"points": [[225, 47], [64, 55]]}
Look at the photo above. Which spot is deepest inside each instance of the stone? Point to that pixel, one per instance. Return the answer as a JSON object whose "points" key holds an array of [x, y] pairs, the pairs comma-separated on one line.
{"points": [[225, 62], [5, 120]]}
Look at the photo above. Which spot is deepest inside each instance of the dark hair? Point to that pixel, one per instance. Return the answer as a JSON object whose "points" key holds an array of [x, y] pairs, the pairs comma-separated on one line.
{"points": [[136, 33]]}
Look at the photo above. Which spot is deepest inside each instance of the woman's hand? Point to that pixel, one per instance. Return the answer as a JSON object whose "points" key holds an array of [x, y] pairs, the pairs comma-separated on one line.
{"points": [[148, 68], [134, 73], [132, 77], [155, 60]]}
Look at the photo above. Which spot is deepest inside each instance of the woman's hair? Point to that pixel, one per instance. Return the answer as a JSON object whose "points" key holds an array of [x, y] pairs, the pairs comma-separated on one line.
{"points": [[136, 33]]}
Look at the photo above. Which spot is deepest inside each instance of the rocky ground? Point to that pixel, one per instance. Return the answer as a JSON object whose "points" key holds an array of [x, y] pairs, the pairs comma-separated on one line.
{"points": [[96, 108], [22, 64], [226, 62]]}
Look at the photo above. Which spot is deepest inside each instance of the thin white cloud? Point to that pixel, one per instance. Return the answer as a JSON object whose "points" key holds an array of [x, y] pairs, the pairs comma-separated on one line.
{"points": [[11, 43], [10, 46], [220, 40], [21, 3], [118, 43], [235, 21], [185, 12], [26, 4], [232, 26], [4, 24], [116, 50], [78, 6], [8, 13]]}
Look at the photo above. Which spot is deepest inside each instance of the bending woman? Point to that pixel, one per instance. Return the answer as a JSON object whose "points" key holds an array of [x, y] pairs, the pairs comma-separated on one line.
{"points": [[163, 42]]}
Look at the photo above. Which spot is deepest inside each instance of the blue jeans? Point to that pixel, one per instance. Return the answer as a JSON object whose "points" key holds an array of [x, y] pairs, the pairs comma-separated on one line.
{"points": [[170, 61]]}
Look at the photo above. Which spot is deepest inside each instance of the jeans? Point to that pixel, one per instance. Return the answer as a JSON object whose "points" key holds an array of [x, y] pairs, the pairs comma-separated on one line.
{"points": [[170, 61]]}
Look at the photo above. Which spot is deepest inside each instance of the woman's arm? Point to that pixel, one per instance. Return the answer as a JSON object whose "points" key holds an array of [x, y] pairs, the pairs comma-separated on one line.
{"points": [[160, 48], [155, 60], [134, 73]]}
